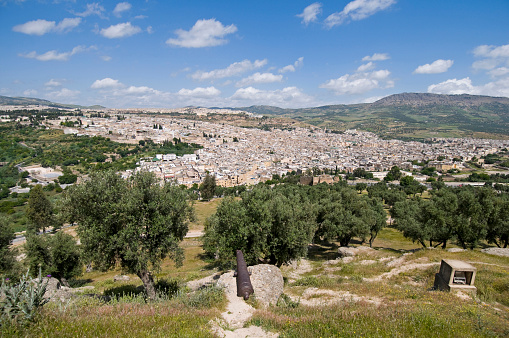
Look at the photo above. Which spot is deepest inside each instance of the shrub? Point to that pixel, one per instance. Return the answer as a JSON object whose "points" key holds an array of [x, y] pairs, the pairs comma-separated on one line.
{"points": [[287, 302], [204, 298], [22, 301]]}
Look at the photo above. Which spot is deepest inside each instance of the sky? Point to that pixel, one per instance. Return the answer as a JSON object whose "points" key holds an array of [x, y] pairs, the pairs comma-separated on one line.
{"points": [[223, 53]]}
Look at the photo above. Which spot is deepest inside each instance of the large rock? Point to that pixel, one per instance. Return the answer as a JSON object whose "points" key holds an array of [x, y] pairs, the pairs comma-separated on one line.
{"points": [[267, 282], [121, 278]]}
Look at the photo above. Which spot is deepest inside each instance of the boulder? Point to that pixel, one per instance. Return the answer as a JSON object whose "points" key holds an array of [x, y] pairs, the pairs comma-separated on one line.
{"points": [[121, 278], [267, 282]]}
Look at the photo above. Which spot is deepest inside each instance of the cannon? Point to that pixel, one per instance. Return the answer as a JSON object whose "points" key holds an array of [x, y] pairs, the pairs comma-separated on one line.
{"points": [[244, 287]]}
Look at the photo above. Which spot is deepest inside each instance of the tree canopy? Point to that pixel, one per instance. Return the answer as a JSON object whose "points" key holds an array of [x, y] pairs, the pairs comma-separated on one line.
{"points": [[39, 211], [136, 222]]}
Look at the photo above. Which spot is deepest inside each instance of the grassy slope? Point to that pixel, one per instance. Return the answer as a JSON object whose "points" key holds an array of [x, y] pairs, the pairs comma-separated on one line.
{"points": [[407, 309]]}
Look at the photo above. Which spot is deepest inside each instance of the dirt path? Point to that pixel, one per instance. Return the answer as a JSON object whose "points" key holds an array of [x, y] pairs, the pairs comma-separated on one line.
{"points": [[237, 313]]}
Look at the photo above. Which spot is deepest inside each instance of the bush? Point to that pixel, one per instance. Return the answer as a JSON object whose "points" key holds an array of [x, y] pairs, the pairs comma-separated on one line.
{"points": [[204, 298], [167, 288], [22, 301], [286, 302]]}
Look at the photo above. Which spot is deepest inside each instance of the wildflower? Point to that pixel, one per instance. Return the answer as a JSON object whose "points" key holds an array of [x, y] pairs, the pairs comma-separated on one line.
{"points": [[48, 276]]}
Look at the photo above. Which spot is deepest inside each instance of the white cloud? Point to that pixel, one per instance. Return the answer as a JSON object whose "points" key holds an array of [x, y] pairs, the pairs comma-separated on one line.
{"points": [[150, 30], [106, 58], [200, 92], [485, 64], [36, 27], [235, 68], [140, 90], [501, 71], [53, 83], [259, 78], [454, 86], [376, 57], [30, 92], [365, 67], [53, 55], [41, 27], [499, 87], [67, 24], [121, 7], [310, 13], [359, 83], [120, 30], [357, 10], [492, 57], [106, 83], [93, 8], [286, 97], [63, 93], [490, 51], [204, 33], [291, 68], [436, 67]]}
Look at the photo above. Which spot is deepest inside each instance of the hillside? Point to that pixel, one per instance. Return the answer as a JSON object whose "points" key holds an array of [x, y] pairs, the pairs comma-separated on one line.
{"points": [[410, 116], [27, 101]]}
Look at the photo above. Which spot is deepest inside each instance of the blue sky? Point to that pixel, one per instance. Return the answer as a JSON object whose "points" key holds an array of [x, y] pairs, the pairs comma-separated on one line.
{"points": [[226, 53]]}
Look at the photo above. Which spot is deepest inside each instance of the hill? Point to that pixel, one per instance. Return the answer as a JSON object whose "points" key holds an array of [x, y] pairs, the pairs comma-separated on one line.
{"points": [[410, 116], [27, 101]]}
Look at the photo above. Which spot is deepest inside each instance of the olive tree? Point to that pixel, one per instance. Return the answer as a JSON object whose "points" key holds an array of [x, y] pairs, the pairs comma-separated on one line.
{"points": [[271, 225], [136, 222], [7, 257], [39, 211]]}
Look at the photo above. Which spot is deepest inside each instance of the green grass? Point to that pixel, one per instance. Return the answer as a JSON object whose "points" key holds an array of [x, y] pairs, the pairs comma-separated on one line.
{"points": [[122, 320], [445, 317], [407, 306]]}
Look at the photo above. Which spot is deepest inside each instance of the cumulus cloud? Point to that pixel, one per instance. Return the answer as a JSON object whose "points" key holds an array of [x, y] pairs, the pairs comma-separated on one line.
{"points": [[454, 86], [357, 10], [92, 9], [491, 57], [436, 67], [121, 7], [41, 27], [106, 83], [200, 92], [286, 97], [140, 90], [359, 83], [291, 68], [499, 87], [501, 71], [204, 33], [376, 57], [365, 67], [120, 30], [53, 83], [53, 55], [490, 51], [235, 68], [310, 13], [259, 78], [30, 92], [63, 93]]}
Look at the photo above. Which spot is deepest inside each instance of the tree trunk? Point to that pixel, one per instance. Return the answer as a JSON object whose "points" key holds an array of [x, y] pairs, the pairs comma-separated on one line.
{"points": [[445, 243], [148, 283]]}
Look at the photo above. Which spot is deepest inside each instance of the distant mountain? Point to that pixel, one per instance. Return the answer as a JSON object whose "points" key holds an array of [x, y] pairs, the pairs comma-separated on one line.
{"points": [[27, 101], [424, 99], [410, 116]]}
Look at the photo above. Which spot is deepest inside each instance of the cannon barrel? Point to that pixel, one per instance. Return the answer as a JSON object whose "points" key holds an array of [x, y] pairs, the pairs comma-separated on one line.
{"points": [[244, 287]]}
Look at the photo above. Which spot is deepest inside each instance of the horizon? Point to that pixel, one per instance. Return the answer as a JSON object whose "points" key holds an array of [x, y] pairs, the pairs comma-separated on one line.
{"points": [[287, 54]]}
